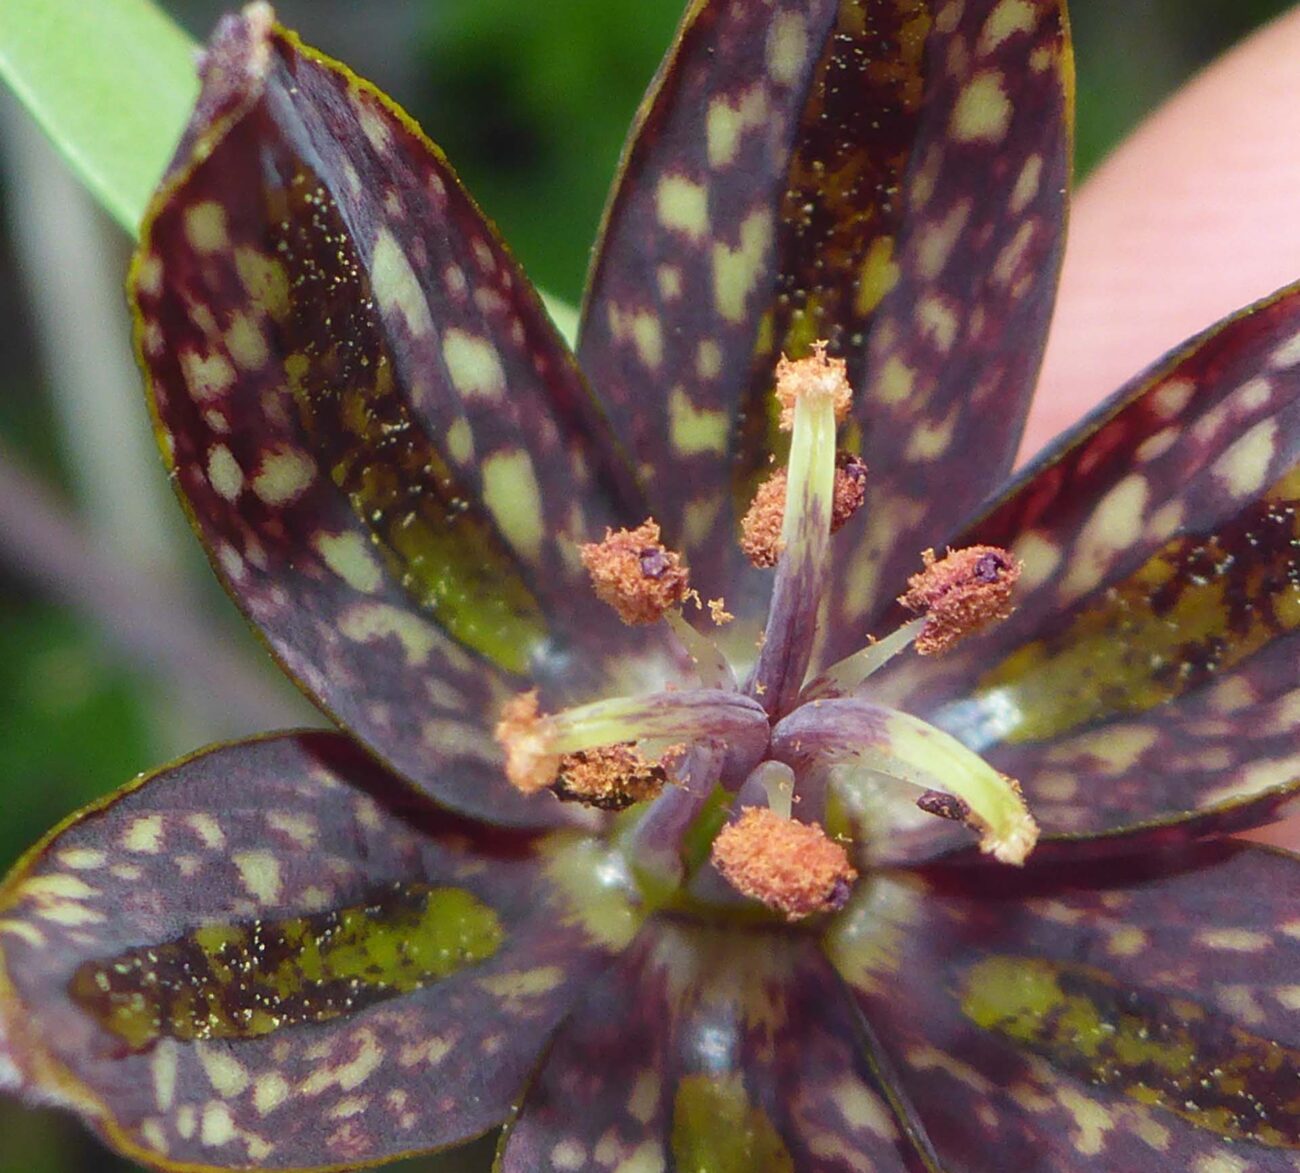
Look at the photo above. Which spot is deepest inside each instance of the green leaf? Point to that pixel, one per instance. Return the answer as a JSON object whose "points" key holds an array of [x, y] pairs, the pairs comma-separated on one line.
{"points": [[111, 83]]}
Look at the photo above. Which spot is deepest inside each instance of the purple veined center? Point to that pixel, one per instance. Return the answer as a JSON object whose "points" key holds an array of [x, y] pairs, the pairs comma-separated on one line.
{"points": [[803, 751]]}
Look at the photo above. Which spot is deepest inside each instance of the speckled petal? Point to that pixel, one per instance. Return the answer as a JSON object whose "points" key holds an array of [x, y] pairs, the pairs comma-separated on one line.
{"points": [[1134, 1015], [722, 1051], [886, 176], [1151, 665], [386, 449], [273, 955]]}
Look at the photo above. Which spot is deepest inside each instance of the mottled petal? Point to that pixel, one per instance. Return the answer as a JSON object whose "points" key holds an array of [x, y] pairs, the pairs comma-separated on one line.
{"points": [[383, 444], [1152, 664], [711, 1049], [273, 955], [1134, 1015], [886, 176]]}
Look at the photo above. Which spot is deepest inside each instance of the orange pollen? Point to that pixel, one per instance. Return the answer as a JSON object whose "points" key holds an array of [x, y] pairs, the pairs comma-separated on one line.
{"points": [[815, 376], [611, 778], [633, 573], [760, 528], [793, 867], [850, 488], [531, 762], [718, 612], [960, 594]]}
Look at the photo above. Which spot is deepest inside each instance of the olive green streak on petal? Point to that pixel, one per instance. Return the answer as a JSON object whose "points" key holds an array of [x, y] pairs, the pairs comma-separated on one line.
{"points": [[1198, 607], [272, 954], [1151, 666], [709, 1049], [1134, 1013], [1081, 1020], [385, 449], [241, 980]]}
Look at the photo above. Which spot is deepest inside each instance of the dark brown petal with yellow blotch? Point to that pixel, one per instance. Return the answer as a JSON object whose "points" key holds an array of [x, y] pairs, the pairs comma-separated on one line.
{"points": [[1153, 663], [272, 954], [386, 449], [818, 170], [1134, 1015], [726, 1051]]}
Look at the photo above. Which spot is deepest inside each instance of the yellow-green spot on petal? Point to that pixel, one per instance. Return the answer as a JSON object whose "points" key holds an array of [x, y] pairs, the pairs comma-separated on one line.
{"points": [[736, 271], [460, 442], [245, 980], [473, 365], [283, 476], [683, 206], [1006, 20], [694, 430], [1168, 1053], [716, 1128], [512, 495], [349, 556], [264, 280], [205, 227], [787, 47], [596, 889], [396, 286], [375, 621], [982, 113]]}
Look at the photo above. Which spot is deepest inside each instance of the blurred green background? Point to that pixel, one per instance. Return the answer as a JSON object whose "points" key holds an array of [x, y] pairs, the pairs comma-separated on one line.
{"points": [[115, 650]]}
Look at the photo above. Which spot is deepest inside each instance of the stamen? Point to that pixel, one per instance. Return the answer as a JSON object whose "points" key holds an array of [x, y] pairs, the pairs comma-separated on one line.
{"points": [[793, 867], [908, 749], [610, 778], [961, 593], [536, 744], [712, 666], [847, 674], [813, 391], [635, 574]]}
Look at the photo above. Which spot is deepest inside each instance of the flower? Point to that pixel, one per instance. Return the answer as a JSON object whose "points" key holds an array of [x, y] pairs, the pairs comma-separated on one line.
{"points": [[330, 949]]}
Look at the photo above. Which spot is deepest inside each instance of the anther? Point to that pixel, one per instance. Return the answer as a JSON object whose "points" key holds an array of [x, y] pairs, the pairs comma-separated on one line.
{"points": [[960, 594], [760, 528], [793, 867], [943, 805], [531, 758], [611, 777], [635, 574], [850, 488], [813, 378]]}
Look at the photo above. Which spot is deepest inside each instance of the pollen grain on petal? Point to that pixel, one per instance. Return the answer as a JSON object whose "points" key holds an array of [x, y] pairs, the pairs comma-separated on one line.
{"points": [[635, 574], [814, 377], [793, 867], [960, 594], [522, 731]]}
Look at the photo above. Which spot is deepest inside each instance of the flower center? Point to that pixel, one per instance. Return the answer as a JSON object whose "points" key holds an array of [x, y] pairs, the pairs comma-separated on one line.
{"points": [[744, 779]]}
